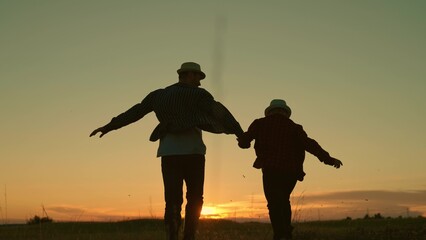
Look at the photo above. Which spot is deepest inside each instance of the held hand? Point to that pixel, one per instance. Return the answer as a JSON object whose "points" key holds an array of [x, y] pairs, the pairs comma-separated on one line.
{"points": [[101, 130], [337, 163], [243, 144]]}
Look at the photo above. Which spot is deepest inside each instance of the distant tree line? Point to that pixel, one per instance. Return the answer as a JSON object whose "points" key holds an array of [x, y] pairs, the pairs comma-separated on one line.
{"points": [[377, 216]]}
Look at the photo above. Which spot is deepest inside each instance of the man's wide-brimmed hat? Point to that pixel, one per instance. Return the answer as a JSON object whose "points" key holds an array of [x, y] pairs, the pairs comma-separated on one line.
{"points": [[191, 67], [278, 103]]}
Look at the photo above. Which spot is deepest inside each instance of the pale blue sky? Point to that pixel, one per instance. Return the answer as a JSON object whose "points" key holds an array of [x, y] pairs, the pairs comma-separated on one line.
{"points": [[352, 71]]}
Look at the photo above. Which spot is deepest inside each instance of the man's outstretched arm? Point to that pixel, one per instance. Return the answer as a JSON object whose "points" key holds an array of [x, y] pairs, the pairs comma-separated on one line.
{"points": [[132, 115]]}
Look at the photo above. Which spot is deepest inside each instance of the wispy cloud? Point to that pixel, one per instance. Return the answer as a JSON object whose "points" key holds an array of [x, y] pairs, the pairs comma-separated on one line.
{"points": [[412, 197], [78, 213], [359, 203], [306, 206], [334, 205]]}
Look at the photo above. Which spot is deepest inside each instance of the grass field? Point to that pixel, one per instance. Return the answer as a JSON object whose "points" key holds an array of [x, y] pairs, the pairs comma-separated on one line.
{"points": [[369, 229]]}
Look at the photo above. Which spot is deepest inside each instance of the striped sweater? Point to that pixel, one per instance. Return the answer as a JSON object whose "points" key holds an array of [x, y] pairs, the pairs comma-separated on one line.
{"points": [[180, 107]]}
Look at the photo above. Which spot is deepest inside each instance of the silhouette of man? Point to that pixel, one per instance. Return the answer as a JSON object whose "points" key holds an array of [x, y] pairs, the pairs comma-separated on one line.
{"points": [[183, 110], [280, 146]]}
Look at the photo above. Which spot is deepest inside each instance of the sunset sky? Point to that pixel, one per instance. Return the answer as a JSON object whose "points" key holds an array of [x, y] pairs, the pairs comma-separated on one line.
{"points": [[353, 73]]}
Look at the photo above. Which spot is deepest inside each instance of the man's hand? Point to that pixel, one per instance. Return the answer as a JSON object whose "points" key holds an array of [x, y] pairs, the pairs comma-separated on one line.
{"points": [[102, 130], [337, 163]]}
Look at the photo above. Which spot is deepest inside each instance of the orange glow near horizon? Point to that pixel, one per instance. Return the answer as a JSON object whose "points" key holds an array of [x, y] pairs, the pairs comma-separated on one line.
{"points": [[211, 212]]}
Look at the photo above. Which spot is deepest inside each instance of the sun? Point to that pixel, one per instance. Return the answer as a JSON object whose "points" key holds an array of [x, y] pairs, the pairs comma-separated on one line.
{"points": [[210, 212]]}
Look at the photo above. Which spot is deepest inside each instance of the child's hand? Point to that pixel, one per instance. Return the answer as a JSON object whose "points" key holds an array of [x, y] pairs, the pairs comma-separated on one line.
{"points": [[337, 163]]}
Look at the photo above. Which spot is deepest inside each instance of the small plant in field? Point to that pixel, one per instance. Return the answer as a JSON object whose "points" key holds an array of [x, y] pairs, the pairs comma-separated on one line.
{"points": [[38, 220], [298, 206]]}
